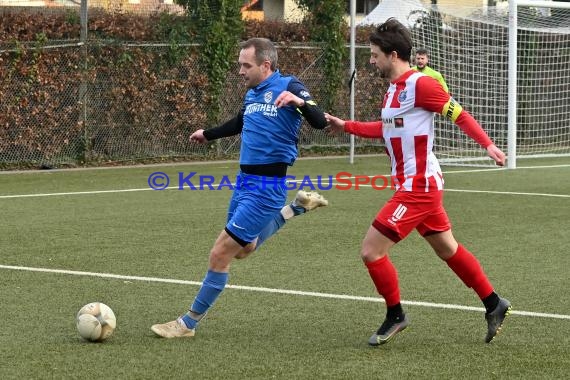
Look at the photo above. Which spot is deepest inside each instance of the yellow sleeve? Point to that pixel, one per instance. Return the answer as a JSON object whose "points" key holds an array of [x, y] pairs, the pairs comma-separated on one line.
{"points": [[442, 82]]}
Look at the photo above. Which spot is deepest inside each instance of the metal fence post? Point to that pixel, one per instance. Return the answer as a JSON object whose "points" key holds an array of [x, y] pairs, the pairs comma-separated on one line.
{"points": [[83, 84]]}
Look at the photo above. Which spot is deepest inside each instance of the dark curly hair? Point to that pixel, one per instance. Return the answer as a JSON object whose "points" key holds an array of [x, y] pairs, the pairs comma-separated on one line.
{"points": [[391, 36]]}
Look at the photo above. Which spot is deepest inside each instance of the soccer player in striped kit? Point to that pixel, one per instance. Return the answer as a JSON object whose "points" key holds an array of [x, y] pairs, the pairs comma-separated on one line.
{"points": [[407, 128]]}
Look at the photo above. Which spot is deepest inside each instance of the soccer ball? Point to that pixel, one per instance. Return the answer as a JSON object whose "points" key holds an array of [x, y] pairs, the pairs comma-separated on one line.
{"points": [[95, 322]]}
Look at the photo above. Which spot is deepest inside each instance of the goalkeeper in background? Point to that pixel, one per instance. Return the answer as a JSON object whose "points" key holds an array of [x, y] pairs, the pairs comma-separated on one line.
{"points": [[422, 60]]}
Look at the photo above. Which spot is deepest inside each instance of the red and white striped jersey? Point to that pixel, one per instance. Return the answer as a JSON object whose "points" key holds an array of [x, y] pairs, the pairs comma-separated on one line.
{"points": [[407, 126], [408, 131]]}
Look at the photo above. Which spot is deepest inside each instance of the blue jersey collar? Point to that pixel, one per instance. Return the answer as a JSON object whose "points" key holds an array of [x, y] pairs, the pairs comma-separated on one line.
{"points": [[267, 81]]}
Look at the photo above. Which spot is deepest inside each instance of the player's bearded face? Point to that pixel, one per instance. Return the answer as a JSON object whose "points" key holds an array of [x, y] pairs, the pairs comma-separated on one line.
{"points": [[421, 61], [381, 61]]}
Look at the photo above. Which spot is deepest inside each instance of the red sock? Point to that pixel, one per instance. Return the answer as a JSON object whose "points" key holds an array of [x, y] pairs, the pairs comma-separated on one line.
{"points": [[469, 270], [385, 278]]}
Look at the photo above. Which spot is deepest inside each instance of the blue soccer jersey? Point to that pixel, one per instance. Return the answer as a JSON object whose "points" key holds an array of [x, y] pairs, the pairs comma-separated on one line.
{"points": [[270, 134]]}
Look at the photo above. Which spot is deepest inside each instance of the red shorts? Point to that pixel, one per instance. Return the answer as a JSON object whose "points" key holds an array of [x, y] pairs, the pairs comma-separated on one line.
{"points": [[407, 210]]}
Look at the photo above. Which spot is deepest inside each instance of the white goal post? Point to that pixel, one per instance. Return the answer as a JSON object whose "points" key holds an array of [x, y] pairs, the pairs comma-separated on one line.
{"points": [[508, 65], [513, 64]]}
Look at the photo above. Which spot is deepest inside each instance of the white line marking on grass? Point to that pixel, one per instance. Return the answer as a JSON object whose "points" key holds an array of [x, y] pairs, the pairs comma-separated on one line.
{"points": [[491, 169], [39, 195], [276, 291], [484, 192], [460, 190], [73, 193], [509, 193], [235, 163], [313, 180]]}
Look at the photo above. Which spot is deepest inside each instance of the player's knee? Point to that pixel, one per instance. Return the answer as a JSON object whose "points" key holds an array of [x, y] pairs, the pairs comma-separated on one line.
{"points": [[219, 260], [369, 253], [443, 244]]}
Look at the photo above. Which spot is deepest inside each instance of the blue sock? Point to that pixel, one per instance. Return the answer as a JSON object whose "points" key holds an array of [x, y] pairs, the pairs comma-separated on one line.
{"points": [[269, 230], [212, 286]]}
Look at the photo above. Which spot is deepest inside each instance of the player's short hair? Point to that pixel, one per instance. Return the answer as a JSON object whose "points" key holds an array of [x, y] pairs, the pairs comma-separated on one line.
{"points": [[391, 36], [422, 51], [264, 50]]}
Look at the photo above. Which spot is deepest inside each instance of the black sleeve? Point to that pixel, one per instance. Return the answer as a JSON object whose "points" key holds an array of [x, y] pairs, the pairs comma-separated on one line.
{"points": [[313, 114], [310, 111], [231, 127]]}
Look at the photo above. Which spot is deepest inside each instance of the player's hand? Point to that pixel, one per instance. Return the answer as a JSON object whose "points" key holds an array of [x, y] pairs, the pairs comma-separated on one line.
{"points": [[496, 154], [336, 125], [287, 98], [198, 137]]}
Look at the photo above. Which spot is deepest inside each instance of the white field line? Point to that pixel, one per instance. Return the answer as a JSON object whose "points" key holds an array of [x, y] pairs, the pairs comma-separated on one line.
{"points": [[313, 180], [483, 191], [39, 195], [510, 193], [276, 291], [234, 162]]}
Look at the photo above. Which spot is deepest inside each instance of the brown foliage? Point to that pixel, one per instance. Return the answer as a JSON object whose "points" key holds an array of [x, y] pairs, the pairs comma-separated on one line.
{"points": [[110, 100]]}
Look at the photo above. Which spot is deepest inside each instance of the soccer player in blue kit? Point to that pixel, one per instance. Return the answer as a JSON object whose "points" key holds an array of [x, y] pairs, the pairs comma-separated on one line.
{"points": [[269, 123]]}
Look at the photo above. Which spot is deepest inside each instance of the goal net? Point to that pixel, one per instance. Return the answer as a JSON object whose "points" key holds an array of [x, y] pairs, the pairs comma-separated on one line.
{"points": [[470, 47]]}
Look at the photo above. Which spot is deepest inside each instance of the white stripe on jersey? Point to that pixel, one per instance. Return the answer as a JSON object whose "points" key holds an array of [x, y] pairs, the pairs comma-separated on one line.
{"points": [[409, 134]]}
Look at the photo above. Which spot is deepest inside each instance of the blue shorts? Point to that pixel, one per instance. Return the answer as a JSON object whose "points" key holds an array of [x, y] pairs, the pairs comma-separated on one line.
{"points": [[255, 202]]}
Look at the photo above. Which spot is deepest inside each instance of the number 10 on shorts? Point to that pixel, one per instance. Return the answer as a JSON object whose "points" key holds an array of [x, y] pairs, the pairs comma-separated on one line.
{"points": [[398, 213]]}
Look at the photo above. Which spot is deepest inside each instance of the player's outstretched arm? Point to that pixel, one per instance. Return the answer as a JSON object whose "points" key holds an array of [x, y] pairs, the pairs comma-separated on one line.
{"points": [[496, 154], [432, 98], [198, 137], [367, 129], [231, 127], [336, 125]]}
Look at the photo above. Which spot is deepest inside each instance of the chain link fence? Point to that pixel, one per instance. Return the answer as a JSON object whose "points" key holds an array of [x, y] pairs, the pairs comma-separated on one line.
{"points": [[68, 103]]}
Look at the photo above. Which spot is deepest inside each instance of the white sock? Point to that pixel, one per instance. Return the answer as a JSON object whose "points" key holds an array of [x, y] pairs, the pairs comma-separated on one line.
{"points": [[287, 212]]}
